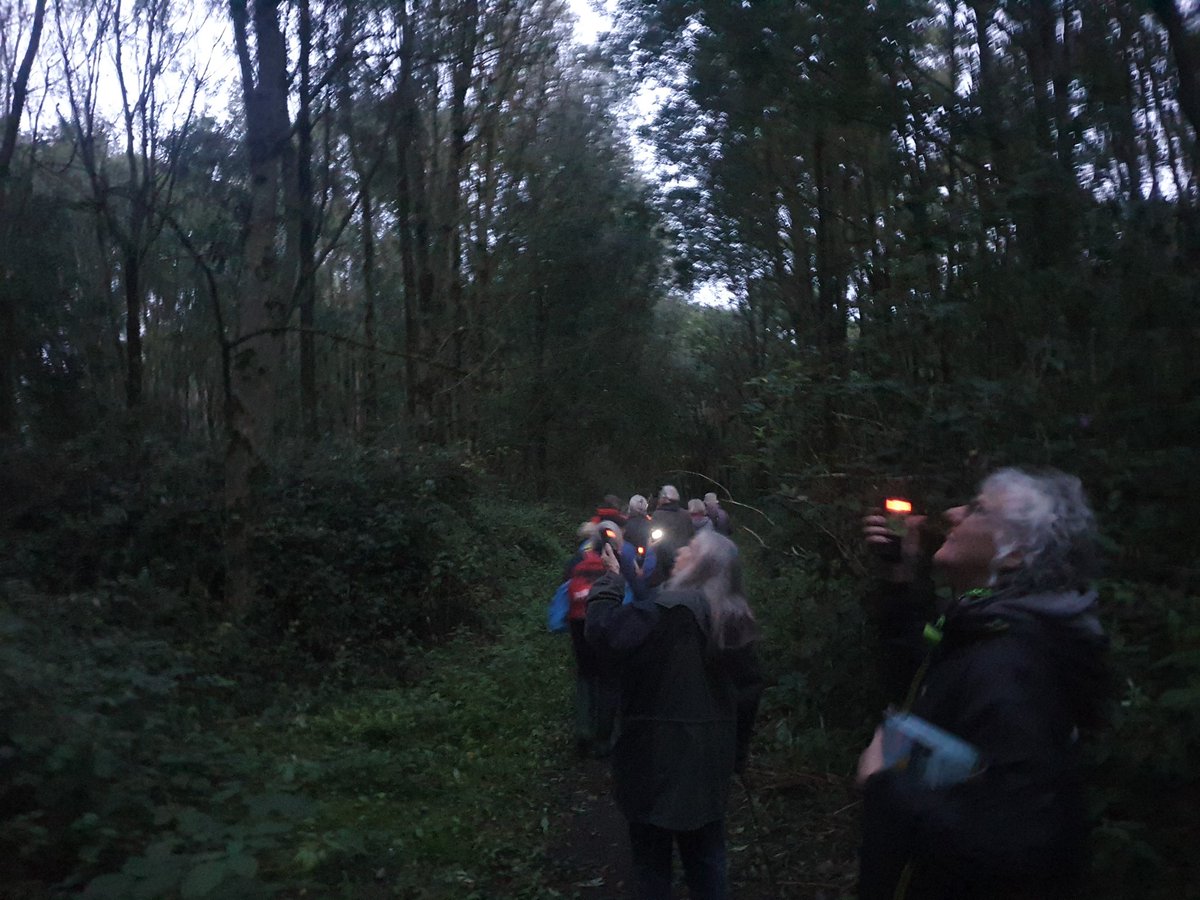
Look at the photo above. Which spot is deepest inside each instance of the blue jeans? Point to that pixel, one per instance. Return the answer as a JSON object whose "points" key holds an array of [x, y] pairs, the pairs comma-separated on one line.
{"points": [[702, 852]]}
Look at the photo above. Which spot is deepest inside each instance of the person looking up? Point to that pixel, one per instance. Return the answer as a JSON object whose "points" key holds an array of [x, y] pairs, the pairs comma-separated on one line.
{"points": [[718, 516], [1015, 668], [689, 685]]}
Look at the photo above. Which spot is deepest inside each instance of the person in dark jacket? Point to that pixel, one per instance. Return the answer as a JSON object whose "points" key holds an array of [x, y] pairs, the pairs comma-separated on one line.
{"points": [[1015, 667], [637, 522], [689, 687], [595, 685], [670, 529]]}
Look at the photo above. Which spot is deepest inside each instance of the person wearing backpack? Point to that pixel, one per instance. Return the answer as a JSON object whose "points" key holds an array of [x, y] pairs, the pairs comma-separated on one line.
{"points": [[595, 692]]}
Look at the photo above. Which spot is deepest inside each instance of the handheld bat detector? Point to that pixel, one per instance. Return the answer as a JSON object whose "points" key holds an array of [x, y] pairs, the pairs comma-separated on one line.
{"points": [[898, 510], [605, 536], [641, 555]]}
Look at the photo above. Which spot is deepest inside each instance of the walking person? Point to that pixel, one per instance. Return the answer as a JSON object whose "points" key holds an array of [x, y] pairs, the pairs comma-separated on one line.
{"points": [[595, 686], [689, 687]]}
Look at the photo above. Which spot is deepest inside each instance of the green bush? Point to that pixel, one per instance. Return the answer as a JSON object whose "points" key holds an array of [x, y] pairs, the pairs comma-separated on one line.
{"points": [[105, 738], [1144, 767], [361, 556], [123, 680]]}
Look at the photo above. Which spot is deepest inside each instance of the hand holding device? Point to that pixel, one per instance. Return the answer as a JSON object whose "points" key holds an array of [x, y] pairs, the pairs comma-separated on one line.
{"points": [[608, 556], [893, 533]]}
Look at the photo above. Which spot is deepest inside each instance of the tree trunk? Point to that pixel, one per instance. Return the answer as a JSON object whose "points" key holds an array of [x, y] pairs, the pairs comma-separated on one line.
{"points": [[452, 227], [8, 148], [306, 282], [132, 276], [404, 206], [1187, 61], [370, 405], [269, 279]]}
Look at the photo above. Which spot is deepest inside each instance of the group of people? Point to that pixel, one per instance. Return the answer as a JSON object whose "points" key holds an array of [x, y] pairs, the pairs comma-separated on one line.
{"points": [[646, 542], [1000, 677], [664, 646]]}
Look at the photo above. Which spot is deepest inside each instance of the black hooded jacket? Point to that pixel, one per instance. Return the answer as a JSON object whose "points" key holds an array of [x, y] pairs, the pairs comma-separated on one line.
{"points": [[1017, 677]]}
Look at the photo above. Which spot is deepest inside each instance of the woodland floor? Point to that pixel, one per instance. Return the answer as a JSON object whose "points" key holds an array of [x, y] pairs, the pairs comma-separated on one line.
{"points": [[462, 783], [591, 853]]}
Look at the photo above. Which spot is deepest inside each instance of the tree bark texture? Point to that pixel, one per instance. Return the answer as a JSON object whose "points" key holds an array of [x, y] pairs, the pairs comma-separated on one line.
{"points": [[267, 282]]}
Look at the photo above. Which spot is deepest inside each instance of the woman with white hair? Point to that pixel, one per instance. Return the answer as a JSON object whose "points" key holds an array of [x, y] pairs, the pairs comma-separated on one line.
{"points": [[1014, 667], [637, 524], [689, 687]]}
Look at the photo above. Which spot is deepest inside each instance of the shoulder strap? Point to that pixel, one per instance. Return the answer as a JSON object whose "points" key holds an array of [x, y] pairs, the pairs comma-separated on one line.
{"points": [[933, 636]]}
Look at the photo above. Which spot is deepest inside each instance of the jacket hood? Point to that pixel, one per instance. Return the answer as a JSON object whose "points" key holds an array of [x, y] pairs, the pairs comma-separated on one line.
{"points": [[1069, 630], [1072, 610]]}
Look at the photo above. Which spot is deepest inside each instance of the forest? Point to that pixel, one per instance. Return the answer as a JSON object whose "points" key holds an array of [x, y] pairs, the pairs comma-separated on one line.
{"points": [[324, 323]]}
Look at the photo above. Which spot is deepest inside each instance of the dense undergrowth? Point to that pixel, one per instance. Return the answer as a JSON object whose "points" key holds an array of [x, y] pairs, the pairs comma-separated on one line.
{"points": [[384, 722], [348, 731]]}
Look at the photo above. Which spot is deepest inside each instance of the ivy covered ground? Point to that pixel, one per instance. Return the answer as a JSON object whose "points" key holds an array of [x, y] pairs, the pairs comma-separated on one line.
{"points": [[458, 781]]}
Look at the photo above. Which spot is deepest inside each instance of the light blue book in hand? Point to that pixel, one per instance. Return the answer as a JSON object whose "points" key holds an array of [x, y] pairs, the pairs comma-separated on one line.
{"points": [[937, 757]]}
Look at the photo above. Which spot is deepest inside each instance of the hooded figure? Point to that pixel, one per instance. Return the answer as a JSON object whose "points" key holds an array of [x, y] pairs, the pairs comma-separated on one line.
{"points": [[1015, 667]]}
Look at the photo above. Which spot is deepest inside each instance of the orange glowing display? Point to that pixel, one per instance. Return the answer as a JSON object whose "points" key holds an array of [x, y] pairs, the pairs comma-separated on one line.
{"points": [[897, 507]]}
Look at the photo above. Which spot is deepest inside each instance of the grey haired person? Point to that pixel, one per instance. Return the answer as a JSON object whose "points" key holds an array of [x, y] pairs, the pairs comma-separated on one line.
{"points": [[717, 514], [637, 523], [698, 515], [1016, 667], [689, 688]]}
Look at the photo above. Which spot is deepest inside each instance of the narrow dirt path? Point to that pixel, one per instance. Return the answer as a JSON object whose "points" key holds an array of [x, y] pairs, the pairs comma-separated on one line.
{"points": [[589, 848]]}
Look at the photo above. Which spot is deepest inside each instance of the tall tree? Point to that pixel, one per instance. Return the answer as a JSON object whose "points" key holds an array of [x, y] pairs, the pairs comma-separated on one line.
{"points": [[8, 146], [132, 196], [270, 265]]}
